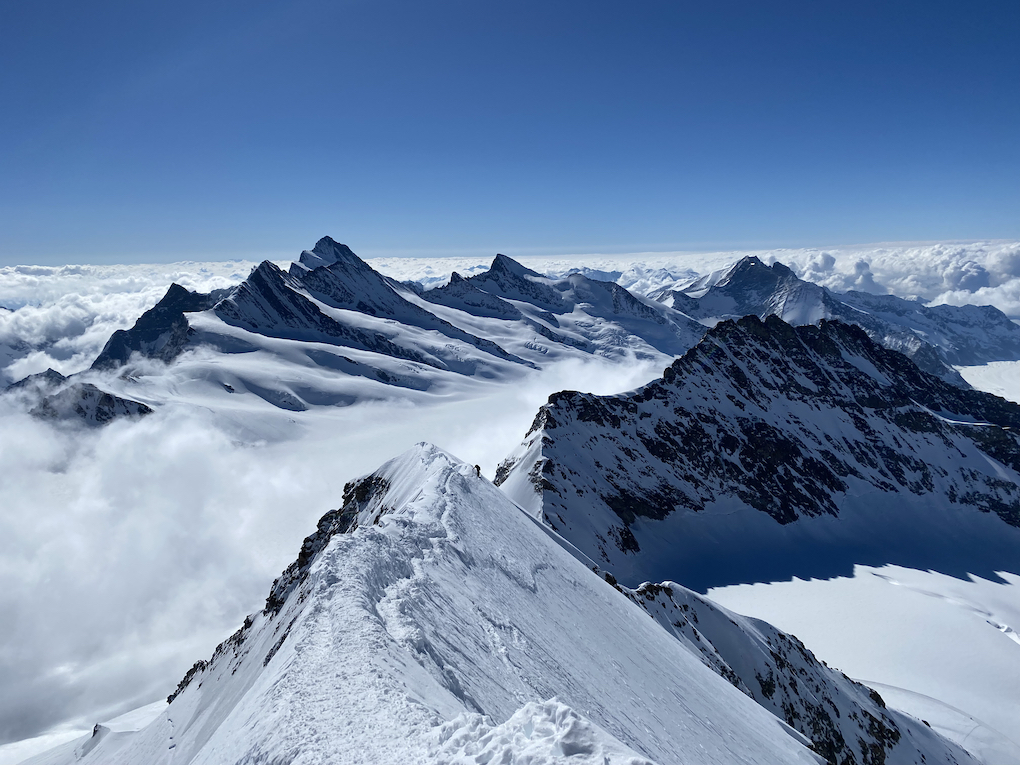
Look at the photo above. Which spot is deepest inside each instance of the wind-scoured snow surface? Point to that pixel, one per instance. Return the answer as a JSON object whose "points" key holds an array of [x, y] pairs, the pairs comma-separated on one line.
{"points": [[450, 628], [846, 721], [940, 647]]}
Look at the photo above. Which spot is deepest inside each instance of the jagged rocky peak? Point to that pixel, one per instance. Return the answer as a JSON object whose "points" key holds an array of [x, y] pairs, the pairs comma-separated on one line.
{"points": [[89, 404], [52, 396], [503, 264], [326, 252], [752, 268], [791, 423], [161, 332], [935, 337], [51, 378]]}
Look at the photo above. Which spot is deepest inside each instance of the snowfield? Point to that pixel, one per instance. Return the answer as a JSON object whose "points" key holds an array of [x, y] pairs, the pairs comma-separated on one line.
{"points": [[939, 647]]}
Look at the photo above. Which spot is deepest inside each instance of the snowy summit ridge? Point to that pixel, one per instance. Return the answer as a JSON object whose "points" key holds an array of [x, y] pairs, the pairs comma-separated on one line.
{"points": [[430, 620]]}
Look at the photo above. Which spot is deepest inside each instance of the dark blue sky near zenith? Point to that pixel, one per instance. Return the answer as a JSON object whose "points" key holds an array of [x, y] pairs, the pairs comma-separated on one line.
{"points": [[199, 130]]}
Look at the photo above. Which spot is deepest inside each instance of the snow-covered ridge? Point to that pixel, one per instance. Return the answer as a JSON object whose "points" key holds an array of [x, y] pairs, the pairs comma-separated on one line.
{"points": [[430, 620], [443, 632], [764, 423]]}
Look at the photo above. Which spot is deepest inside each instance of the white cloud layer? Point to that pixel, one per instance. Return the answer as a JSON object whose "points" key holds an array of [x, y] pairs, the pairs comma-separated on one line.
{"points": [[130, 551]]}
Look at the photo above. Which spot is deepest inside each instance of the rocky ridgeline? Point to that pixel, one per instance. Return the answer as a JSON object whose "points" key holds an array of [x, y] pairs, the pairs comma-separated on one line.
{"points": [[847, 722]]}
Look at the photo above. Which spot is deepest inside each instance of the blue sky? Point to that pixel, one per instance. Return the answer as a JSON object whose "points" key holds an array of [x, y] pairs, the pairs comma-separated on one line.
{"points": [[151, 132]]}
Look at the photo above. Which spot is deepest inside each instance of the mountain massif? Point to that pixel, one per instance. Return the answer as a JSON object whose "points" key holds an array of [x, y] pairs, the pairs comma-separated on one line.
{"points": [[768, 435], [936, 338]]}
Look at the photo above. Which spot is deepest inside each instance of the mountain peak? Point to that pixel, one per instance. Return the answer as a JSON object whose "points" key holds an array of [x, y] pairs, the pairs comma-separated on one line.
{"points": [[762, 416], [752, 270], [326, 252], [501, 263]]}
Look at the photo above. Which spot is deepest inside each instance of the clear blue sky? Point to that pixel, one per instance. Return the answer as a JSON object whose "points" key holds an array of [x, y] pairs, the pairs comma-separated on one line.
{"points": [[153, 131]]}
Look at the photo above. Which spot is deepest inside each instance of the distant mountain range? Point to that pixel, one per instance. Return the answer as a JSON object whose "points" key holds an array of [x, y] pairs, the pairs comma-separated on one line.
{"points": [[332, 331], [935, 338]]}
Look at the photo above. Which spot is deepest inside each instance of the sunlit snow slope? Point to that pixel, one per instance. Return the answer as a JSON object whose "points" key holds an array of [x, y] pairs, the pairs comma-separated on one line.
{"points": [[385, 645]]}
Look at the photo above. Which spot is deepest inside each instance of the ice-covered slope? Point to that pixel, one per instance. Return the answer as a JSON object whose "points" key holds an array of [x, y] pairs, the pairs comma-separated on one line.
{"points": [[768, 443], [935, 337], [430, 620], [600, 314]]}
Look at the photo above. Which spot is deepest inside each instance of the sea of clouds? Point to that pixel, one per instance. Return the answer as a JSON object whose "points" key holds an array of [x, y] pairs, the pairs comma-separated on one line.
{"points": [[128, 552]]}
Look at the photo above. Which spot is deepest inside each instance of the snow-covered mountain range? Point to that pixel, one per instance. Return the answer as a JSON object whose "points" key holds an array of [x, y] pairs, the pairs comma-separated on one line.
{"points": [[936, 338], [789, 436], [430, 620], [332, 331]]}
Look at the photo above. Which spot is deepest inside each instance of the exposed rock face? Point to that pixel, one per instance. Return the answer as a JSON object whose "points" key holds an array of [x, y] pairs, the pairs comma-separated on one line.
{"points": [[272, 302], [792, 422], [935, 338], [846, 722], [86, 402], [53, 396], [41, 381], [161, 333]]}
